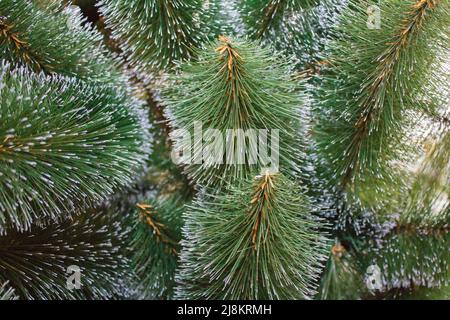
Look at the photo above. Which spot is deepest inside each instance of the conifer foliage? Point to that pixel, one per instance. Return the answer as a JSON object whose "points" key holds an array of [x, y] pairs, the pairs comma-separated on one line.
{"points": [[65, 145], [71, 137], [52, 41], [155, 33], [365, 97], [154, 242], [212, 149], [381, 130], [43, 256], [258, 241], [239, 86], [261, 17]]}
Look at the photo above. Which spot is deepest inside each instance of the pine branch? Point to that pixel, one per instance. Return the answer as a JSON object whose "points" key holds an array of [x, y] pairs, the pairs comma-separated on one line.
{"points": [[298, 29], [342, 278], [154, 243], [363, 97], [376, 85], [141, 89], [257, 241], [148, 216], [64, 145], [412, 260], [155, 33], [263, 16], [47, 38], [26, 54], [428, 202], [238, 86], [163, 174], [36, 262]]}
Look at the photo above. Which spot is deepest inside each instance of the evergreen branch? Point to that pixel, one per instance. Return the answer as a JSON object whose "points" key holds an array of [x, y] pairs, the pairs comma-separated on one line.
{"points": [[162, 171], [155, 243], [240, 86], [49, 37], [64, 145], [155, 33], [260, 205], [372, 105], [342, 279], [367, 95], [269, 12], [36, 262], [252, 241], [22, 47], [262, 16], [299, 29], [148, 216], [231, 56], [141, 89]]}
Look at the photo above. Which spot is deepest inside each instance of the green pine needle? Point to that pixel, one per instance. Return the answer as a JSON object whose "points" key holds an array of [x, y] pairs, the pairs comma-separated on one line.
{"points": [[261, 17], [342, 278]]}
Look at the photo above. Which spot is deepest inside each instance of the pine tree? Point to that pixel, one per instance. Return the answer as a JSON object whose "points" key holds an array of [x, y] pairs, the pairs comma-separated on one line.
{"points": [[356, 90]]}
